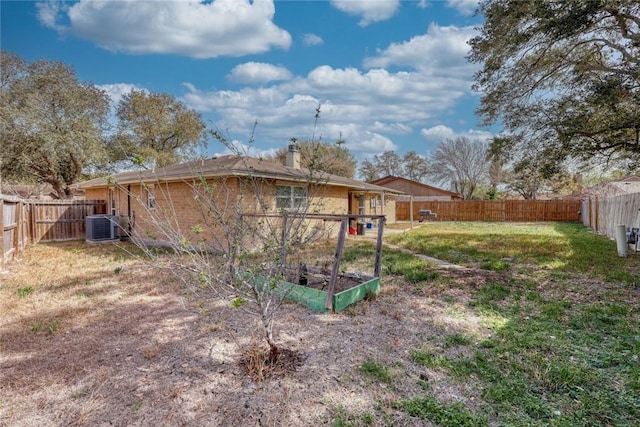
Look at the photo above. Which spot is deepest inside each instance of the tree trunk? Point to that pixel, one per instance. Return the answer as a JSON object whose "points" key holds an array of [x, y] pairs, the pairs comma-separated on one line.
{"points": [[268, 329]]}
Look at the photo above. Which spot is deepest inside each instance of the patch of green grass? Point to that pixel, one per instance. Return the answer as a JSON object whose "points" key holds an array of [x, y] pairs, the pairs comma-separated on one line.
{"points": [[50, 326], [555, 362], [441, 414], [344, 418], [409, 266], [431, 358], [496, 265], [37, 327], [394, 262], [565, 247], [358, 251], [623, 277], [26, 291], [376, 370], [456, 339], [489, 295]]}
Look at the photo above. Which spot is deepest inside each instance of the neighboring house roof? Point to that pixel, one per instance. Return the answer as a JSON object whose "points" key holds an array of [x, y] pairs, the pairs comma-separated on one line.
{"points": [[35, 191], [414, 188], [616, 187], [232, 165]]}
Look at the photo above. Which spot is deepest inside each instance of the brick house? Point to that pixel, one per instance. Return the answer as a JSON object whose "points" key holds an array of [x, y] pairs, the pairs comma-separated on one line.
{"points": [[235, 184], [419, 191]]}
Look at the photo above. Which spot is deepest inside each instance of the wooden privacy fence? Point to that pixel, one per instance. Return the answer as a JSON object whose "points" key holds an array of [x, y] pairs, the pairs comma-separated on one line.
{"points": [[36, 221], [13, 228], [494, 210], [603, 214]]}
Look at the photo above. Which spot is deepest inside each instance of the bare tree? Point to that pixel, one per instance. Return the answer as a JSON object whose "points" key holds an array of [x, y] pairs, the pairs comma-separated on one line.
{"points": [[368, 171], [415, 166], [249, 232], [388, 163], [460, 161]]}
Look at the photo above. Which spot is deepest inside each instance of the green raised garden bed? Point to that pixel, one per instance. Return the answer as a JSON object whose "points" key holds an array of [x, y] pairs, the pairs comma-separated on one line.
{"points": [[315, 298]]}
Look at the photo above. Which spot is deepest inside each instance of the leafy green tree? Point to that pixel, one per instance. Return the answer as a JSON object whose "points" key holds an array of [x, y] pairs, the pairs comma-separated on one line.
{"points": [[528, 172], [323, 157], [570, 67], [156, 130], [52, 124]]}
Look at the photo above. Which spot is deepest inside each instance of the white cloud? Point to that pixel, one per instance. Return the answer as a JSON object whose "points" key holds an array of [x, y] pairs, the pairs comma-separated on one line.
{"points": [[312, 39], [258, 72], [465, 7], [365, 108], [433, 136], [187, 28], [50, 12], [369, 10], [239, 147], [117, 90], [439, 52]]}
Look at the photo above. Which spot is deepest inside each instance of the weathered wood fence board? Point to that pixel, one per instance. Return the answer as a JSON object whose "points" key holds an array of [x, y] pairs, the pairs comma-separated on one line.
{"points": [[58, 220], [495, 210], [35, 221], [603, 214], [13, 228]]}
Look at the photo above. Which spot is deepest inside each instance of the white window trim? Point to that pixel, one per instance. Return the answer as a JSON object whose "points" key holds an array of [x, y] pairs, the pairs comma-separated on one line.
{"points": [[151, 197], [291, 197]]}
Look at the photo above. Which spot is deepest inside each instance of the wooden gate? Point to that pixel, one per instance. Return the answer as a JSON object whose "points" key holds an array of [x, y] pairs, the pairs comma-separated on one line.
{"points": [[58, 220]]}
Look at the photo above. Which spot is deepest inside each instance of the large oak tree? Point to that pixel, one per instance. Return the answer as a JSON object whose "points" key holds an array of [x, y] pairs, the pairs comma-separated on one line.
{"points": [[566, 71], [323, 157], [52, 124], [155, 129]]}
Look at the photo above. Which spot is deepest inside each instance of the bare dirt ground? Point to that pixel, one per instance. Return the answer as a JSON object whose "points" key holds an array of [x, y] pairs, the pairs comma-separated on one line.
{"points": [[92, 336]]}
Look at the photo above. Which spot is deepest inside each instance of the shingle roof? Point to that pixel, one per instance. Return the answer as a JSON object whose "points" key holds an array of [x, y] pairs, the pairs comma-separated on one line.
{"points": [[231, 165], [390, 178]]}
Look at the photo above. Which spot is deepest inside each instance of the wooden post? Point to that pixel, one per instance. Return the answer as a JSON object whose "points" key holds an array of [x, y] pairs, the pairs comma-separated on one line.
{"points": [[410, 210], [344, 225], [283, 242], [379, 247], [16, 233], [1, 232]]}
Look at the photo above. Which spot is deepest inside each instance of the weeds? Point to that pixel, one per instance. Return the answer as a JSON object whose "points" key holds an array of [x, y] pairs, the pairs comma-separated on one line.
{"points": [[344, 418], [376, 371], [446, 415], [50, 327], [26, 291]]}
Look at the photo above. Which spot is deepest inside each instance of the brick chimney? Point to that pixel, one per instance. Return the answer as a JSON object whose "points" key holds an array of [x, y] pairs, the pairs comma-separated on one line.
{"points": [[293, 157]]}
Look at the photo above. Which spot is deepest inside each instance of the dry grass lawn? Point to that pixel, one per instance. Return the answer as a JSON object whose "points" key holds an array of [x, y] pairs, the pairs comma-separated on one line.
{"points": [[91, 335]]}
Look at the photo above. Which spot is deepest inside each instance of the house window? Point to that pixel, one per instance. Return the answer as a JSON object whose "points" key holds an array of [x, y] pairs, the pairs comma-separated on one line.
{"points": [[290, 197], [151, 198]]}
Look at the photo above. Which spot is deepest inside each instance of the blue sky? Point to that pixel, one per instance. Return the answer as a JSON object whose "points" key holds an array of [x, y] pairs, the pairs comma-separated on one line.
{"points": [[388, 74]]}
